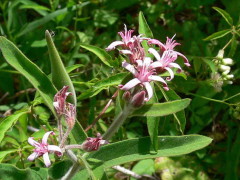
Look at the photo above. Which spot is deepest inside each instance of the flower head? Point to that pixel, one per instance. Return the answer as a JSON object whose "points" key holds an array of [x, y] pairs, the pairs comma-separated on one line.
{"points": [[93, 144], [70, 114], [144, 74], [60, 100], [42, 149]]}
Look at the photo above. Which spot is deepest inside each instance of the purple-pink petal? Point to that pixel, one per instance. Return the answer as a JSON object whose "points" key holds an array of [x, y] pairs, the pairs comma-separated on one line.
{"points": [[45, 137], [158, 78], [132, 83], [33, 156], [113, 45], [46, 159], [186, 62], [129, 67], [156, 64], [125, 52], [155, 53], [33, 142], [157, 42], [149, 90], [54, 148], [171, 74]]}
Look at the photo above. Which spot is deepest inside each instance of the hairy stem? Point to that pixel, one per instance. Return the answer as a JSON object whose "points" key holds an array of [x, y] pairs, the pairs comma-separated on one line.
{"points": [[118, 121]]}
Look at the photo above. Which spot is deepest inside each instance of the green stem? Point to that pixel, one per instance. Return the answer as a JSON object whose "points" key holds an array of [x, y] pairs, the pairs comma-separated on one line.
{"points": [[117, 122]]}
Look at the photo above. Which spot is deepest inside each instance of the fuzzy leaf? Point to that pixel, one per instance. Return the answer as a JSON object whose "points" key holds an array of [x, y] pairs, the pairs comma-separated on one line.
{"points": [[225, 15]]}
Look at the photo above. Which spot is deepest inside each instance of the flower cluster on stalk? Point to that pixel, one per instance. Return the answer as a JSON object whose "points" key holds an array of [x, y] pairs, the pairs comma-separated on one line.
{"points": [[223, 74], [144, 68]]}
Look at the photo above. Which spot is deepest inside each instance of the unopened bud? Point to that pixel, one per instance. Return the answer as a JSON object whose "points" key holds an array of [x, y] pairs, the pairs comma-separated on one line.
{"points": [[126, 96], [227, 61], [93, 144], [224, 68], [229, 82], [70, 115], [138, 99], [230, 76], [220, 54]]}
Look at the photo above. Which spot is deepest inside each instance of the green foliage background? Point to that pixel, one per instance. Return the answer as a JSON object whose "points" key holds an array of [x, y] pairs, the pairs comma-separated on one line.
{"points": [[75, 25]]}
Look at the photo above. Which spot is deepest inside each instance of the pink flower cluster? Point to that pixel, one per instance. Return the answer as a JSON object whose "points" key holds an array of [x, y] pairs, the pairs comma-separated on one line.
{"points": [[143, 68]]}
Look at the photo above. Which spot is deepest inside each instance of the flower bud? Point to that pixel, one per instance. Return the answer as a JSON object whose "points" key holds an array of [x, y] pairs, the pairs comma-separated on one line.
{"points": [[126, 96], [70, 115], [220, 53], [138, 99], [230, 76], [227, 61], [224, 68], [93, 144]]}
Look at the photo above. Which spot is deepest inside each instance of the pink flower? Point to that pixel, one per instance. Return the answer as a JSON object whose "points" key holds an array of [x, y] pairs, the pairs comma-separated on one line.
{"points": [[42, 149], [168, 46], [70, 114], [126, 39], [93, 144], [60, 100], [144, 74]]}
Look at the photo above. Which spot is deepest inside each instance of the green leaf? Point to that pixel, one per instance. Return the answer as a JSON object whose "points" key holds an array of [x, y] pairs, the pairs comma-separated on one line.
{"points": [[145, 166], [4, 153], [152, 124], [28, 69], [64, 165], [137, 149], [10, 172], [211, 65], [103, 84], [145, 30], [218, 34], [178, 116], [40, 22], [101, 53], [234, 45], [78, 133], [60, 76], [162, 109], [73, 67], [8, 122], [225, 15], [143, 26]]}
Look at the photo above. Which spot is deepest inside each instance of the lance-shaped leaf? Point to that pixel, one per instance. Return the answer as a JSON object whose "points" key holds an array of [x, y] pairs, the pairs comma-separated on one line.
{"points": [[137, 149], [152, 124], [60, 76], [145, 30], [162, 109], [101, 53], [28, 69], [218, 35], [9, 171], [225, 15], [9, 121]]}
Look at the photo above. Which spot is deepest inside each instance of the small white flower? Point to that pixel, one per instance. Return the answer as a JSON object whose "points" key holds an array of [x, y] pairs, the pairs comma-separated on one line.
{"points": [[227, 61]]}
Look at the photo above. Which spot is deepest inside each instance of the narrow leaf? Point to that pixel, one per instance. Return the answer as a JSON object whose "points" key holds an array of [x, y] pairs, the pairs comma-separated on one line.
{"points": [[234, 45], [9, 171], [101, 53], [225, 15], [3, 154], [137, 149], [218, 34], [162, 109], [28, 69], [8, 122], [60, 76]]}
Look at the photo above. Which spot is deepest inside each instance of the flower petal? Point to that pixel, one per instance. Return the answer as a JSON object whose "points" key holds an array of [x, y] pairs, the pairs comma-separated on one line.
{"points": [[45, 137], [156, 64], [46, 159], [175, 65], [33, 142], [184, 58], [171, 74], [131, 84], [158, 78], [113, 45], [33, 156], [157, 42], [149, 90], [129, 67], [155, 53], [54, 148], [125, 52]]}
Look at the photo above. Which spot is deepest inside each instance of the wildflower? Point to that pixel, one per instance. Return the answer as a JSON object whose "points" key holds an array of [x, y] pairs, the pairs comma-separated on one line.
{"points": [[60, 100], [42, 149], [70, 114], [227, 61], [93, 144], [144, 74], [168, 46]]}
